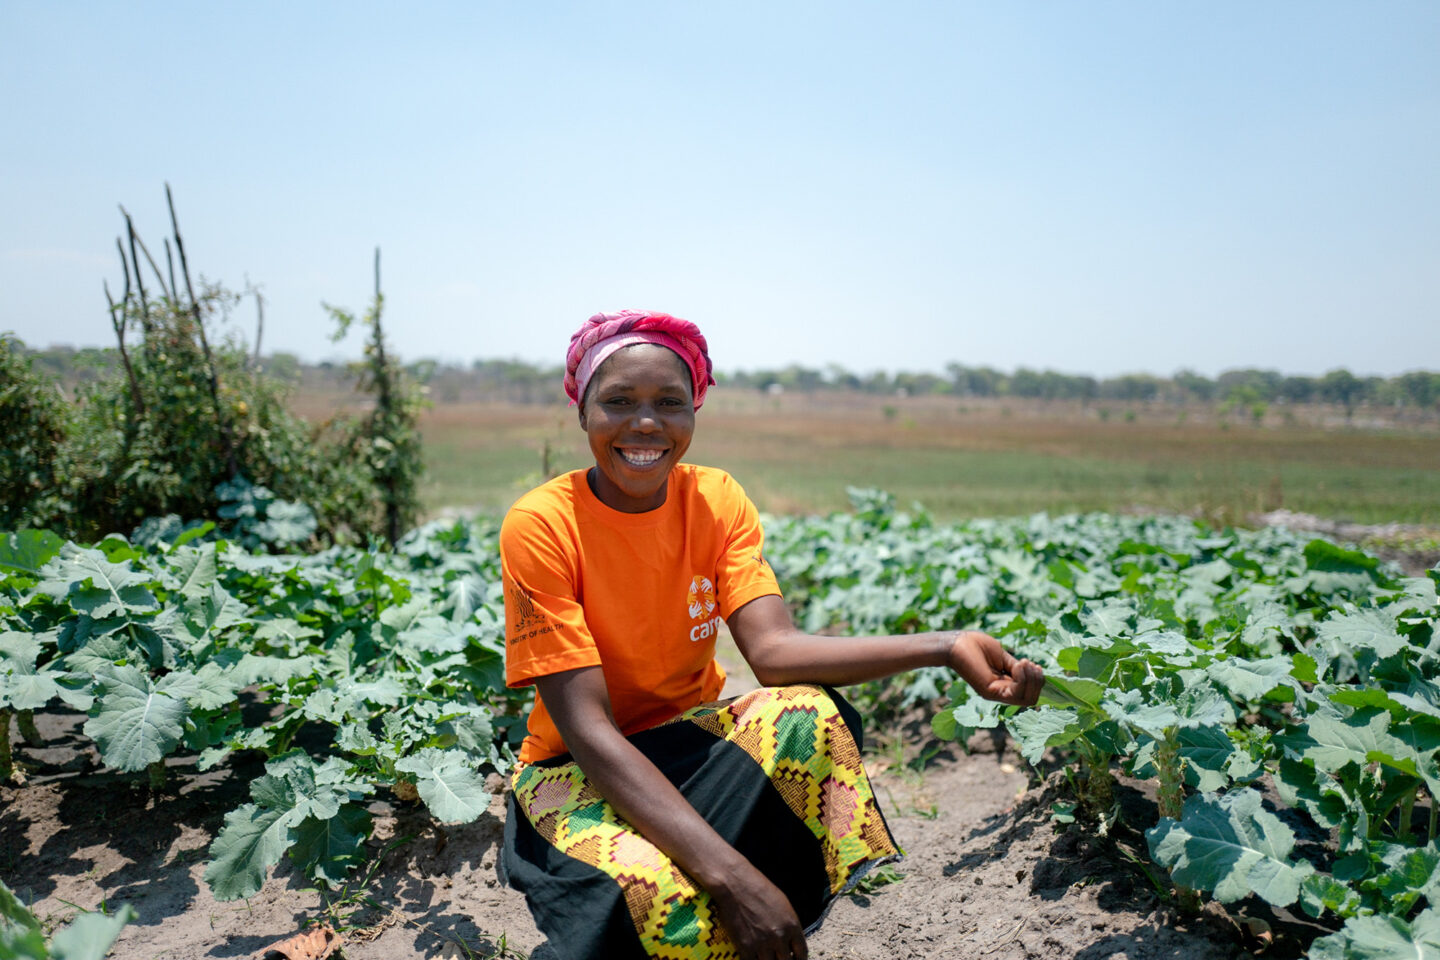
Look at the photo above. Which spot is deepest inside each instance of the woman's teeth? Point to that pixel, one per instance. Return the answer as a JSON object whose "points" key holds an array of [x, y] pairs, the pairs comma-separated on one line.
{"points": [[641, 458]]}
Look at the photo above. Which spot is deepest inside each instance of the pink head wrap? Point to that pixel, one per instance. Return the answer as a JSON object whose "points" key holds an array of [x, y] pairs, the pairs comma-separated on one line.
{"points": [[604, 333]]}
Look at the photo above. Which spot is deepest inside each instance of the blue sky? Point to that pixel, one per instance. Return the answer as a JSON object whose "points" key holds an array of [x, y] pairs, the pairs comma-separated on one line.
{"points": [[1089, 187]]}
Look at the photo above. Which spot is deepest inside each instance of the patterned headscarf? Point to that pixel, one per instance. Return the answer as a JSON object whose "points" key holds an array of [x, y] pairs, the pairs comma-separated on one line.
{"points": [[604, 333]]}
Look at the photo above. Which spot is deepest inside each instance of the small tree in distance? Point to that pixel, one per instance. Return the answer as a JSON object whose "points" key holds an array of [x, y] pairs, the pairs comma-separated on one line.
{"points": [[389, 438]]}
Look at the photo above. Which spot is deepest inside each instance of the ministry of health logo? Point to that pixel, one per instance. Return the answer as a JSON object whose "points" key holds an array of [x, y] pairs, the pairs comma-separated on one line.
{"points": [[702, 598], [523, 607]]}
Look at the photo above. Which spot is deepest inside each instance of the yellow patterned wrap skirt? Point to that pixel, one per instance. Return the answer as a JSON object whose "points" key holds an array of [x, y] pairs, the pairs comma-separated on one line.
{"points": [[776, 772]]}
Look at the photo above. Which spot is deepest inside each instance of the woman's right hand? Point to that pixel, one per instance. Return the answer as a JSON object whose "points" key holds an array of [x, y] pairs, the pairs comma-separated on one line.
{"points": [[993, 672], [759, 918]]}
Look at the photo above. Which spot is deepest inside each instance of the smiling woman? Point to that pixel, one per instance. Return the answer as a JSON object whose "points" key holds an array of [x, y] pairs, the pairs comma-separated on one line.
{"points": [[647, 818]]}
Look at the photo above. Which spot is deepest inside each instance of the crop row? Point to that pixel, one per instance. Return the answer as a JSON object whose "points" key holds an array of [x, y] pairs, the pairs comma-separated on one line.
{"points": [[391, 663], [1224, 665], [1259, 677]]}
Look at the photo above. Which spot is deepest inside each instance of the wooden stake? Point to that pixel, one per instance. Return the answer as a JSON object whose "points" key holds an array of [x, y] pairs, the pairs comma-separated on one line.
{"points": [[117, 319], [220, 419]]}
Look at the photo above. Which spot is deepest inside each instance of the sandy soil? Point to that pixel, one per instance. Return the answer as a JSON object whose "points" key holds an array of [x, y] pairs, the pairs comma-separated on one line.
{"points": [[987, 873]]}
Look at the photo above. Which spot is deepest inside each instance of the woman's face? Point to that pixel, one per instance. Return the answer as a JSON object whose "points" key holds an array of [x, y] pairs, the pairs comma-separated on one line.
{"points": [[639, 415]]}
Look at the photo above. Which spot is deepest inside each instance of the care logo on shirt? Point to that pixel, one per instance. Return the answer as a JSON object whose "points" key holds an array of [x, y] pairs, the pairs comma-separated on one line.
{"points": [[702, 607], [702, 598]]}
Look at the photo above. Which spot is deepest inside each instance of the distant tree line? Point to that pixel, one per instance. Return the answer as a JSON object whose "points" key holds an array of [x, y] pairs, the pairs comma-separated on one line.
{"points": [[520, 382], [1419, 389]]}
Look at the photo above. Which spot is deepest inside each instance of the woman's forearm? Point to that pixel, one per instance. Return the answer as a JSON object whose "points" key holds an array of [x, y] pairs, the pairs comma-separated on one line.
{"points": [[645, 798], [779, 654], [796, 657], [634, 786]]}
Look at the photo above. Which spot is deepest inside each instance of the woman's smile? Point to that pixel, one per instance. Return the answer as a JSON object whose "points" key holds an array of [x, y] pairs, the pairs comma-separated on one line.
{"points": [[641, 458]]}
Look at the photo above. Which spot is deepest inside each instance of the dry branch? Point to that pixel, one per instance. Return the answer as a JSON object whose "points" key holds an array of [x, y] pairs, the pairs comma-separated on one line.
{"points": [[139, 281], [221, 421], [135, 237], [117, 320]]}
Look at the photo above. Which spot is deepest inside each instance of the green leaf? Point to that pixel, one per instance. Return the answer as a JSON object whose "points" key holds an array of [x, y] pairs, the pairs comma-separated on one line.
{"points": [[215, 687], [89, 936], [22, 686], [462, 596], [252, 841], [195, 571], [1251, 679], [29, 690], [1305, 669], [1320, 892], [1409, 873], [448, 783], [1331, 741], [26, 551], [328, 850], [135, 722], [98, 653], [1076, 692], [1134, 708], [22, 944], [95, 586], [1043, 727], [1231, 847], [1167, 643], [290, 632], [286, 523], [293, 789], [1211, 758], [14, 911], [1108, 619], [215, 609], [1383, 938], [1367, 629], [272, 670], [1326, 556]]}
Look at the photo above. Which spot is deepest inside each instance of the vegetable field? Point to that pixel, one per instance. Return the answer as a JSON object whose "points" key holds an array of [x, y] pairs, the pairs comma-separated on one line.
{"points": [[1243, 671], [1263, 681]]}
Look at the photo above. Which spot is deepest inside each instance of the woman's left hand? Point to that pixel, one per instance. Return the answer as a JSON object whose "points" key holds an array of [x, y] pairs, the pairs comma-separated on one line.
{"points": [[993, 672]]}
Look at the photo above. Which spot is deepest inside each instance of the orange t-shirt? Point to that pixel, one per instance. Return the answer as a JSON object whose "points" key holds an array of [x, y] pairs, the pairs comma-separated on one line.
{"points": [[638, 594]]}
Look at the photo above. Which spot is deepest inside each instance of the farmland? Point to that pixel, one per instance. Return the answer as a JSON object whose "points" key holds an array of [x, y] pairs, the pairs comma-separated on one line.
{"points": [[797, 454], [297, 737]]}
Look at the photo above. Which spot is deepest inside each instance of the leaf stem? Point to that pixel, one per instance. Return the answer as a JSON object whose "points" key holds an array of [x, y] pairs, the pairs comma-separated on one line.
{"points": [[7, 765], [1171, 796], [1407, 813], [25, 721], [1098, 795]]}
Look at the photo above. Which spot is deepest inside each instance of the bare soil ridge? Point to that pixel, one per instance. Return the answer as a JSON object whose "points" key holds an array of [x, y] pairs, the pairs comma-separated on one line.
{"points": [[987, 872]]}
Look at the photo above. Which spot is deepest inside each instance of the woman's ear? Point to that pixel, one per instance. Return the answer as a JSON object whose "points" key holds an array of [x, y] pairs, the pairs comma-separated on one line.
{"points": [[582, 417]]}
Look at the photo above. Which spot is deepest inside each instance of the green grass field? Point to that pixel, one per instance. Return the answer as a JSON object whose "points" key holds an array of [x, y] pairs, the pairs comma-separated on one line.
{"points": [[798, 454]]}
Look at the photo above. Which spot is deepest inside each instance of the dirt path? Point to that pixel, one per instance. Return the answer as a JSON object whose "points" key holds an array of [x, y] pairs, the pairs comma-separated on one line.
{"points": [[987, 874]]}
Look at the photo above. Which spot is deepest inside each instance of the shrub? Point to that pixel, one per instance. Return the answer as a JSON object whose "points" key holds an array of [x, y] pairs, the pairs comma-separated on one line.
{"points": [[33, 416], [183, 421]]}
